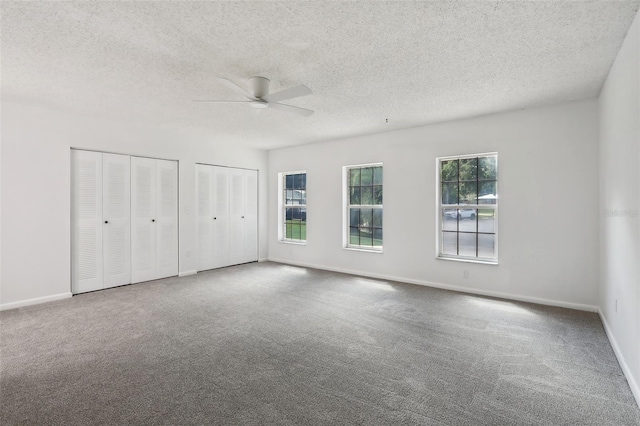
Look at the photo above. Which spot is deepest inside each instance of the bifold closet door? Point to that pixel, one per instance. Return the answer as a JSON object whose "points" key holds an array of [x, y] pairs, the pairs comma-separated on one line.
{"points": [[227, 205], [154, 219], [166, 218], [236, 219], [204, 194], [220, 197], [212, 188], [116, 216], [86, 221], [100, 242], [251, 215], [243, 238]]}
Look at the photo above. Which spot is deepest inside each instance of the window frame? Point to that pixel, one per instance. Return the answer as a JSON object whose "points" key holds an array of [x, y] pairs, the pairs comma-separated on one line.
{"points": [[439, 206], [282, 208], [347, 208]]}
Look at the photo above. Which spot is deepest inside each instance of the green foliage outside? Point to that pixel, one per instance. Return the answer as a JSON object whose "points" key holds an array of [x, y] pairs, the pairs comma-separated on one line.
{"points": [[296, 230], [466, 179], [365, 186]]}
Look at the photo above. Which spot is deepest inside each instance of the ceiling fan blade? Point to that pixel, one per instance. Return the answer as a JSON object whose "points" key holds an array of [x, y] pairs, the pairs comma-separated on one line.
{"points": [[289, 108], [231, 85], [222, 102], [293, 92]]}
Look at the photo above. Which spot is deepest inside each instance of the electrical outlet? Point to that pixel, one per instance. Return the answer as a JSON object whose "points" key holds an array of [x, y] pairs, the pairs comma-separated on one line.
{"points": [[465, 274]]}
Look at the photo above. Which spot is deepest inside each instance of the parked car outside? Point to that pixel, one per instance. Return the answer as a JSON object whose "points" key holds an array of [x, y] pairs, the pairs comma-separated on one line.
{"points": [[460, 214]]}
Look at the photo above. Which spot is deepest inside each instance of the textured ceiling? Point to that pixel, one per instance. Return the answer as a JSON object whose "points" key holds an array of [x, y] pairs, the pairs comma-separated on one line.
{"points": [[412, 63]]}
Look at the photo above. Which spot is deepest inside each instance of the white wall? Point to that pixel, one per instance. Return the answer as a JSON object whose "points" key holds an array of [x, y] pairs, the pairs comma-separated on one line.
{"points": [[548, 204], [35, 169], [619, 107]]}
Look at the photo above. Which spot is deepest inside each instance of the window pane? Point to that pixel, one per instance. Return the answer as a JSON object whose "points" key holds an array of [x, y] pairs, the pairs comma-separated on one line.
{"points": [[289, 182], [296, 196], [486, 245], [486, 220], [468, 169], [377, 237], [468, 194], [488, 167], [377, 194], [366, 217], [354, 195], [354, 177], [354, 235], [295, 231], [449, 219], [449, 171], [366, 175], [296, 214], [377, 218], [377, 175], [288, 233], [303, 196], [467, 244], [289, 196], [366, 237], [450, 243], [303, 214], [467, 220], [487, 192], [449, 193], [366, 195], [303, 231], [297, 181], [354, 217]]}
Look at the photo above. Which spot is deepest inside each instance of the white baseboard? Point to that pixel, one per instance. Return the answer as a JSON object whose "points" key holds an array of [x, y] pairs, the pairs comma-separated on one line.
{"points": [[187, 273], [36, 301], [529, 299], [263, 259], [633, 384]]}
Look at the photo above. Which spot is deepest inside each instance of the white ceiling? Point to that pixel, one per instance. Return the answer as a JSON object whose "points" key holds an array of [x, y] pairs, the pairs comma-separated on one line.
{"points": [[412, 63]]}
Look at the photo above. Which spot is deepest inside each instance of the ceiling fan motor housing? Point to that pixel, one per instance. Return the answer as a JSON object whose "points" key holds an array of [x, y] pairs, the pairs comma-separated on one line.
{"points": [[259, 86]]}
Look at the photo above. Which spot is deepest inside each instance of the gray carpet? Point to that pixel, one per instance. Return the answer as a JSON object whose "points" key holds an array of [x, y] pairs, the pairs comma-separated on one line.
{"points": [[275, 344]]}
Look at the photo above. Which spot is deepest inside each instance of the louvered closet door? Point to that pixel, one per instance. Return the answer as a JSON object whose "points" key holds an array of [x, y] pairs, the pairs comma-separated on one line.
{"points": [[204, 208], [86, 221], [143, 219], [236, 219], [116, 213], [166, 218], [221, 256], [251, 215]]}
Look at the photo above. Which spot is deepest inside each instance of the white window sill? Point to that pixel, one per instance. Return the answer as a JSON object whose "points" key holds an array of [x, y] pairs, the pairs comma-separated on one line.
{"points": [[363, 249], [466, 260], [295, 243]]}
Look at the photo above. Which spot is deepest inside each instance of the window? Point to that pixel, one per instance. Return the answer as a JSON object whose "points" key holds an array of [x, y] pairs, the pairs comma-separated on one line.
{"points": [[468, 207], [294, 207], [364, 206]]}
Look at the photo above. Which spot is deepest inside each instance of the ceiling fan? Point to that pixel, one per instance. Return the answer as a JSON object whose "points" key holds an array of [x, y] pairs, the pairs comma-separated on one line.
{"points": [[259, 97]]}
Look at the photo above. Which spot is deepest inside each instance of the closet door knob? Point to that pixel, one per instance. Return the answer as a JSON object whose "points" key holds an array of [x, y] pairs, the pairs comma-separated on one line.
{"points": [[153, 220], [106, 221], [243, 217], [214, 218]]}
